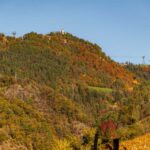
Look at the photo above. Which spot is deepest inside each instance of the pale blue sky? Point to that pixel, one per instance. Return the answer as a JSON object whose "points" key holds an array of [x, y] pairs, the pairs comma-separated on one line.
{"points": [[120, 27]]}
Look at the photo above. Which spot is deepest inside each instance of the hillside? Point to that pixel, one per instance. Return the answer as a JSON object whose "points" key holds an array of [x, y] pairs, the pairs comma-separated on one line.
{"points": [[20, 124], [55, 58], [56, 90], [141, 71]]}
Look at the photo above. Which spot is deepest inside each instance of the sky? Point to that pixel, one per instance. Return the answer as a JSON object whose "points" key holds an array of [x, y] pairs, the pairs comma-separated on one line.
{"points": [[120, 27]]}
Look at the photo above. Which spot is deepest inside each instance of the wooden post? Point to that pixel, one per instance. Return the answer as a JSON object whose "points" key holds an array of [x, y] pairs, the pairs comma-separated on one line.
{"points": [[116, 144], [95, 146]]}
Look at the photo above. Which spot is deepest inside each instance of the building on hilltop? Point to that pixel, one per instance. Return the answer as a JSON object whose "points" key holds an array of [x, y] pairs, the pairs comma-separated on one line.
{"points": [[62, 31]]}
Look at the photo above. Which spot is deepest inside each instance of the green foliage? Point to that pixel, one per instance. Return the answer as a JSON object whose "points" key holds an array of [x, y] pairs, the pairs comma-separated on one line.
{"points": [[141, 71]]}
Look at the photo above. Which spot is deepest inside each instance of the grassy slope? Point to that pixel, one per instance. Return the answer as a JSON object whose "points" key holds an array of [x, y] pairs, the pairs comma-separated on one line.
{"points": [[100, 90]]}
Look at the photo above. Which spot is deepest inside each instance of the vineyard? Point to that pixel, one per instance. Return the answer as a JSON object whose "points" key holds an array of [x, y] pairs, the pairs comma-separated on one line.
{"points": [[139, 143]]}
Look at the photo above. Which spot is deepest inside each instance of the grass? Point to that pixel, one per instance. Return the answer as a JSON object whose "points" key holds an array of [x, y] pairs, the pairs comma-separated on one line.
{"points": [[100, 89]]}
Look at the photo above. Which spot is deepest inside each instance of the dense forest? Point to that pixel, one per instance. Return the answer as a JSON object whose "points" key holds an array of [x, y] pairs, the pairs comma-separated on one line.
{"points": [[57, 91]]}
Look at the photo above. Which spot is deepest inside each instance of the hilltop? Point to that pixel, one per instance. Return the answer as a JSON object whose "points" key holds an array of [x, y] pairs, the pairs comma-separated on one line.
{"points": [[56, 56], [60, 88]]}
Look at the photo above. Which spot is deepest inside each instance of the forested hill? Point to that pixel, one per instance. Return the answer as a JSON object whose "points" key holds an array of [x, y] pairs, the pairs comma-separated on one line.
{"points": [[57, 89], [58, 59]]}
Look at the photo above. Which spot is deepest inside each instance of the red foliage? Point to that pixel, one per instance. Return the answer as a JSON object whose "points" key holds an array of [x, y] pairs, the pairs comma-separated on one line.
{"points": [[108, 128]]}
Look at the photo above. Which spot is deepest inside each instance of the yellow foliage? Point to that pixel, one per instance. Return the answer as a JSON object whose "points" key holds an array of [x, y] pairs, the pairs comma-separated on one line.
{"points": [[62, 145], [139, 143]]}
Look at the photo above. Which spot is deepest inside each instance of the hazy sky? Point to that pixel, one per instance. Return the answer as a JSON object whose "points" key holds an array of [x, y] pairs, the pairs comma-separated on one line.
{"points": [[120, 27]]}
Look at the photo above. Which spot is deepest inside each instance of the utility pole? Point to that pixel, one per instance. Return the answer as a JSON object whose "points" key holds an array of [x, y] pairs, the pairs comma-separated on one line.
{"points": [[14, 34], [143, 58]]}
